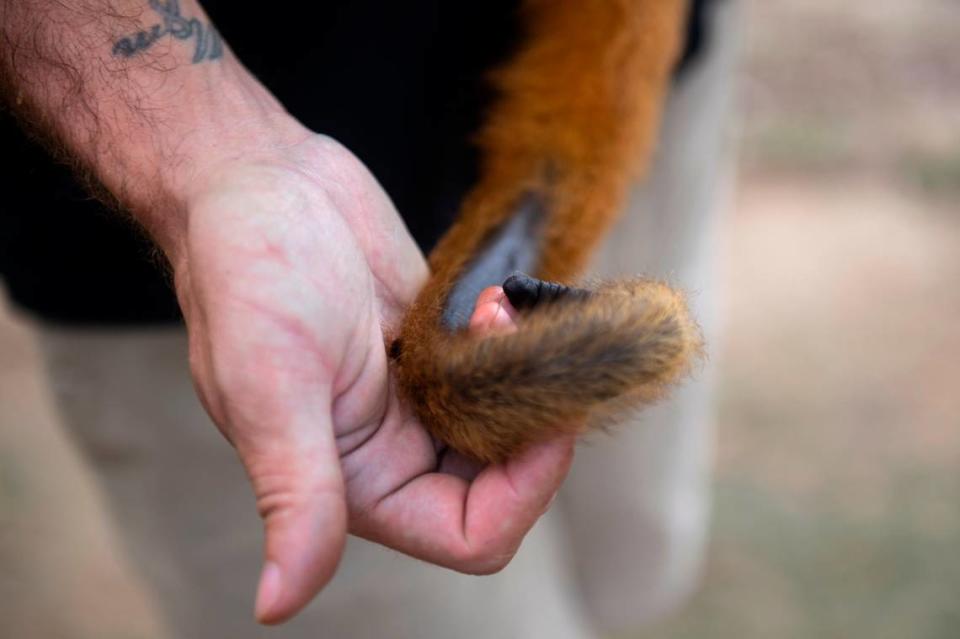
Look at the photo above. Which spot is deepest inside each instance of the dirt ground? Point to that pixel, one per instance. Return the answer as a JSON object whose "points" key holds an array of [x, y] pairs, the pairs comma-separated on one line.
{"points": [[838, 453]]}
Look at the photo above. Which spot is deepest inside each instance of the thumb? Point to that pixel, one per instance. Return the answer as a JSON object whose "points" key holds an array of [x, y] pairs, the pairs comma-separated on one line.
{"points": [[300, 496]]}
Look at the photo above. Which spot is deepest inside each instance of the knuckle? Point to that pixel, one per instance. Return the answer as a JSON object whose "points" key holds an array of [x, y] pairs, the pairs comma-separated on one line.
{"points": [[274, 496]]}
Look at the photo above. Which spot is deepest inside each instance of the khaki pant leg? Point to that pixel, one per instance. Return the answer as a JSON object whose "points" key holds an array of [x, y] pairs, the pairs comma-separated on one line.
{"points": [[189, 524], [637, 502]]}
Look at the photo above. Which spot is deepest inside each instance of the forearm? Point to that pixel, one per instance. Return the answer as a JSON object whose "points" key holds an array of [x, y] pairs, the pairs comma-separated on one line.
{"points": [[142, 94]]}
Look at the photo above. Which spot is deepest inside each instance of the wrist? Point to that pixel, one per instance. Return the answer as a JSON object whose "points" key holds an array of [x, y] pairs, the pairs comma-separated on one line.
{"points": [[143, 97], [171, 183], [158, 169]]}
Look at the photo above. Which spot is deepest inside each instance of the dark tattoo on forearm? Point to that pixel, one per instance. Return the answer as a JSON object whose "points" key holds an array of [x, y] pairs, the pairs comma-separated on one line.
{"points": [[208, 45]]}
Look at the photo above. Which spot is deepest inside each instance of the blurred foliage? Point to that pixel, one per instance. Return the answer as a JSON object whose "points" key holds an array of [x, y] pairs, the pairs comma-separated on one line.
{"points": [[937, 174]]}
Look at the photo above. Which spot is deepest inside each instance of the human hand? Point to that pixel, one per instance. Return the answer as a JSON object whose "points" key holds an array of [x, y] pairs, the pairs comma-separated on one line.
{"points": [[292, 267], [290, 264]]}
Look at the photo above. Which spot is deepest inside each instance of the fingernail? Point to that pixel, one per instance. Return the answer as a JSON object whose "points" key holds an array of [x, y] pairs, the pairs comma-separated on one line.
{"points": [[268, 591]]}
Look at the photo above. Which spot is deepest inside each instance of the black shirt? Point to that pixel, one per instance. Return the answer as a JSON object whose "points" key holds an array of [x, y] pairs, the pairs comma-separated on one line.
{"points": [[398, 83]]}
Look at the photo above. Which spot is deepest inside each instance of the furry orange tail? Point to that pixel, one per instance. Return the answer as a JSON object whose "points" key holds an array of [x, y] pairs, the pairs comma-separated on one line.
{"points": [[574, 123], [571, 363]]}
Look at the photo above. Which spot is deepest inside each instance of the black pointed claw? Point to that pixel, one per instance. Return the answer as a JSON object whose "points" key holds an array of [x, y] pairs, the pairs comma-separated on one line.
{"points": [[525, 292], [396, 348]]}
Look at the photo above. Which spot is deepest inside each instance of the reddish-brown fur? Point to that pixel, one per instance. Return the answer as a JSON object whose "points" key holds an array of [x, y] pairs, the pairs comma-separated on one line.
{"points": [[574, 123]]}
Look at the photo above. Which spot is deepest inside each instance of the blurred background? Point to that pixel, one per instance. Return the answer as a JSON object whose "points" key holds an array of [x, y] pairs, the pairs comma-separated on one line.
{"points": [[837, 493], [837, 485]]}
